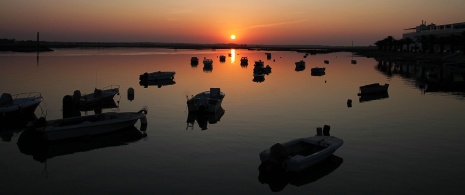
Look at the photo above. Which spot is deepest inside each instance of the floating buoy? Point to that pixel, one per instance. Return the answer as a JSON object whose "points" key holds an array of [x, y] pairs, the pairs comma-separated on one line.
{"points": [[318, 131], [130, 94], [349, 103], [326, 129]]}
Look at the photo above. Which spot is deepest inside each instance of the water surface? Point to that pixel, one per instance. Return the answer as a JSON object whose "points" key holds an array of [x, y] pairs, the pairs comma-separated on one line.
{"points": [[407, 142]]}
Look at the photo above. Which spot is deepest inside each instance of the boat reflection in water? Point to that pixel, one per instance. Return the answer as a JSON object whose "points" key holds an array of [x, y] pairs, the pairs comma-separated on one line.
{"points": [[31, 143], [370, 97], [277, 178], [158, 83], [204, 118], [258, 78]]}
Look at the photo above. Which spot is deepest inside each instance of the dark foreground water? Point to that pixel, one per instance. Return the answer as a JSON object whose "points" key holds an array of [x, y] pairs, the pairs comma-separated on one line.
{"points": [[408, 142]]}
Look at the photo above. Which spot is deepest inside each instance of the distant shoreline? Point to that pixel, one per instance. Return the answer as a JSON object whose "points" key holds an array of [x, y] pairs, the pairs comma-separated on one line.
{"points": [[366, 51]]}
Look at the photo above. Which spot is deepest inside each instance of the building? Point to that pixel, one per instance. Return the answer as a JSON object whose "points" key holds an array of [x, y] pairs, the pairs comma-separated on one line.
{"points": [[433, 29]]}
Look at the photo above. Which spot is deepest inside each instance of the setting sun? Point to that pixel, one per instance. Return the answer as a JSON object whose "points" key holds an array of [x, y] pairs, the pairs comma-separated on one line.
{"points": [[233, 36]]}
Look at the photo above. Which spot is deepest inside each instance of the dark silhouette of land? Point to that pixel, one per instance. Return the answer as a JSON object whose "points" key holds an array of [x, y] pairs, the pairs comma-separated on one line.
{"points": [[367, 51]]}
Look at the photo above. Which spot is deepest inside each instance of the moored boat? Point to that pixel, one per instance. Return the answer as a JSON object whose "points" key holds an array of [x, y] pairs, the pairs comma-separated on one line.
{"points": [[259, 68], [99, 96], [299, 154], [18, 106], [300, 63], [374, 88], [207, 63], [222, 58], [194, 60], [155, 76], [318, 70], [244, 61], [208, 101], [87, 125]]}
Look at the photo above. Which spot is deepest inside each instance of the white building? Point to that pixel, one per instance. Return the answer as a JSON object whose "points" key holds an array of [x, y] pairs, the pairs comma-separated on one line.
{"points": [[433, 29]]}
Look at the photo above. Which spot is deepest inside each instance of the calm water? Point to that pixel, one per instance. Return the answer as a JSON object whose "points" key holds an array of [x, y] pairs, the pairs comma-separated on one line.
{"points": [[409, 142]]}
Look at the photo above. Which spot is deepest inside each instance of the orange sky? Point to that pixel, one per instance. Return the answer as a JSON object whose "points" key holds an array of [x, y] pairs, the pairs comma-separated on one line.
{"points": [[310, 22]]}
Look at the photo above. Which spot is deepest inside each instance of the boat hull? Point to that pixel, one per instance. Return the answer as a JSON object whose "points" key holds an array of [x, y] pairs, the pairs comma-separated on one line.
{"points": [[323, 147], [375, 88], [86, 125], [21, 108]]}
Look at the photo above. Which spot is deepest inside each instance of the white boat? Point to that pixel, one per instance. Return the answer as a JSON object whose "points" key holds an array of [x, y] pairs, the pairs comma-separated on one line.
{"points": [[318, 70], [300, 63], [374, 88], [87, 125], [99, 96], [207, 62], [299, 154], [155, 76], [244, 61], [208, 101], [18, 105]]}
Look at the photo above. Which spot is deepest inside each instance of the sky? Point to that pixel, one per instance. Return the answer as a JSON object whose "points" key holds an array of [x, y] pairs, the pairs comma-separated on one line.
{"points": [[269, 22]]}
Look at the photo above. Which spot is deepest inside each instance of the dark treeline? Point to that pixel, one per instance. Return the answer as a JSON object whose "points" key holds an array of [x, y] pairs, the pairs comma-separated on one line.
{"points": [[425, 43]]}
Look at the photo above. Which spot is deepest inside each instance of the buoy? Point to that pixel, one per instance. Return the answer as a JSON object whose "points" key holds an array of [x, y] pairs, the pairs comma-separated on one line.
{"points": [[326, 129], [349, 103], [318, 131], [130, 94], [68, 106]]}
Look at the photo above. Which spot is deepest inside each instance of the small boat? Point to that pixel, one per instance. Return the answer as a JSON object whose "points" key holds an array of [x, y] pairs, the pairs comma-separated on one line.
{"points": [[87, 125], [300, 63], [326, 61], [207, 62], [353, 61], [19, 105], [155, 76], [99, 96], [244, 61], [222, 58], [259, 68], [268, 56], [299, 154], [318, 70], [374, 88], [194, 60], [208, 101]]}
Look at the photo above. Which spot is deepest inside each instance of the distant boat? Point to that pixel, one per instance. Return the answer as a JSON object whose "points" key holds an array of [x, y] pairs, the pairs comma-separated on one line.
{"points": [[258, 78], [326, 61], [268, 56], [374, 88], [300, 63], [194, 60], [99, 96], [156, 76], [207, 62], [244, 61], [222, 58], [353, 61], [87, 125], [208, 101], [259, 68], [299, 154], [318, 70], [18, 106]]}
